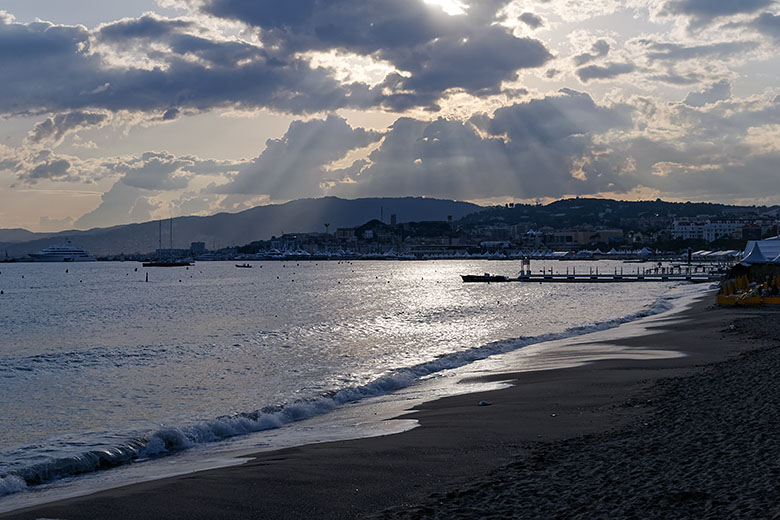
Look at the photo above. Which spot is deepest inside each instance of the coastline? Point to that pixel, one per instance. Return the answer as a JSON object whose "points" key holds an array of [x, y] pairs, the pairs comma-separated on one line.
{"points": [[457, 443]]}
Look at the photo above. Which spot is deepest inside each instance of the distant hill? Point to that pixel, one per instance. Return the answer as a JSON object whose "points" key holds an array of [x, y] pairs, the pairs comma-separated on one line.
{"points": [[20, 235], [259, 223], [570, 213]]}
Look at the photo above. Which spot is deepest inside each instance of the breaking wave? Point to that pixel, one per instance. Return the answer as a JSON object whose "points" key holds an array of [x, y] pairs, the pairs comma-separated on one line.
{"points": [[172, 439]]}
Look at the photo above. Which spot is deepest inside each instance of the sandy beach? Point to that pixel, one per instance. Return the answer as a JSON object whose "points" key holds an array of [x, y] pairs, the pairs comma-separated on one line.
{"points": [[684, 437]]}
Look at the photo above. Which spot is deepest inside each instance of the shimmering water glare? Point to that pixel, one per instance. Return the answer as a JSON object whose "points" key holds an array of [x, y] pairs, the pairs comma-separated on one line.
{"points": [[99, 367]]}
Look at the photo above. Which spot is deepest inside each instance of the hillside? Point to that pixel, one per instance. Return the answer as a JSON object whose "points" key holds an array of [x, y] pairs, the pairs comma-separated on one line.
{"points": [[259, 223], [571, 213]]}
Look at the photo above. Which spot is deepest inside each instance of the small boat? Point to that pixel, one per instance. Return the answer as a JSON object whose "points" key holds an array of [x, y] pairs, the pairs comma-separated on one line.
{"points": [[244, 266], [487, 277]]}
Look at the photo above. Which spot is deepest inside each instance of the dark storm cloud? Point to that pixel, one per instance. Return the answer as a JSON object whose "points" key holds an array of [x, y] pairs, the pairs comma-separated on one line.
{"points": [[42, 165], [768, 24], [531, 20], [716, 92], [50, 68], [146, 27], [702, 12], [478, 65], [362, 27], [56, 169], [170, 114], [438, 51], [294, 166], [599, 49], [608, 71], [45, 67], [679, 52], [55, 128]]}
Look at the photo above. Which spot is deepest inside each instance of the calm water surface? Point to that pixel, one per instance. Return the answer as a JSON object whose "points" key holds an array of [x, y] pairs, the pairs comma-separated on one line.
{"points": [[99, 367]]}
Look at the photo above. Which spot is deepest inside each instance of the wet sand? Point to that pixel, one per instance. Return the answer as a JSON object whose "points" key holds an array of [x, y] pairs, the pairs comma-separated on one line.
{"points": [[685, 437]]}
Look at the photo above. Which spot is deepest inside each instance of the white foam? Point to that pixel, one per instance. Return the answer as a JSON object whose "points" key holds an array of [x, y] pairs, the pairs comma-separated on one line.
{"points": [[11, 484], [171, 439]]}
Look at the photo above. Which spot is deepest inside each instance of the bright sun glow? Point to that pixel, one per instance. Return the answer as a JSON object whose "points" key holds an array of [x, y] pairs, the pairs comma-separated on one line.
{"points": [[451, 7]]}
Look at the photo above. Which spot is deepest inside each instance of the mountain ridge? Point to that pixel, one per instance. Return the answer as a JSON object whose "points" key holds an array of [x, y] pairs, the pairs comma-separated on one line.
{"points": [[258, 223]]}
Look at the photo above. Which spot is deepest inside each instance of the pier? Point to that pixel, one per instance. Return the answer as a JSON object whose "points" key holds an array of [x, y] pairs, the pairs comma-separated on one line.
{"points": [[656, 274], [593, 278]]}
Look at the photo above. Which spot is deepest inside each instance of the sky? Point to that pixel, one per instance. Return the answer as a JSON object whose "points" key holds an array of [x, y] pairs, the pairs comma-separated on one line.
{"points": [[119, 112]]}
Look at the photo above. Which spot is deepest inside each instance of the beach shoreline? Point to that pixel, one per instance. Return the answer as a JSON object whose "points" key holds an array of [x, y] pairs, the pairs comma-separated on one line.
{"points": [[459, 443]]}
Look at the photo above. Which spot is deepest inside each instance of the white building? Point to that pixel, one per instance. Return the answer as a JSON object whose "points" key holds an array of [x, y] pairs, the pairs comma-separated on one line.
{"points": [[708, 229]]}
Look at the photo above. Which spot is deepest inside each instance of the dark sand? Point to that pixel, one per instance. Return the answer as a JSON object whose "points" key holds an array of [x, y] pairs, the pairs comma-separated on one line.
{"points": [[691, 437]]}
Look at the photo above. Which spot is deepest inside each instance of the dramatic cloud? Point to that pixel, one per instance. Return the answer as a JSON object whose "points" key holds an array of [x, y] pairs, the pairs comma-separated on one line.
{"points": [[531, 149], [40, 165], [531, 20], [55, 68], [608, 71], [369, 97], [717, 92], [53, 130], [153, 171], [768, 24], [295, 165], [436, 52], [165, 171], [120, 205], [599, 49], [153, 64], [680, 52], [703, 12]]}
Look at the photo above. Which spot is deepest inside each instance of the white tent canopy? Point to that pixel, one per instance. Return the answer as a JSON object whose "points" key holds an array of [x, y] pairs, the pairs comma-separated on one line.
{"points": [[754, 255], [761, 251]]}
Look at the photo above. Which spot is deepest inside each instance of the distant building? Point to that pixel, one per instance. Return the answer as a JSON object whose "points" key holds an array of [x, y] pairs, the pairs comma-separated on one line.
{"points": [[709, 230]]}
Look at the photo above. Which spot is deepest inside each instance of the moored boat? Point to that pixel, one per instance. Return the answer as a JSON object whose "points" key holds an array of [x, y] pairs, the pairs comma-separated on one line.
{"points": [[64, 253], [171, 263], [487, 277]]}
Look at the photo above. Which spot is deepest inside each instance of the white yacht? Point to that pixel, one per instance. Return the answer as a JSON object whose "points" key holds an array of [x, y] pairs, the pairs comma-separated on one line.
{"points": [[64, 253]]}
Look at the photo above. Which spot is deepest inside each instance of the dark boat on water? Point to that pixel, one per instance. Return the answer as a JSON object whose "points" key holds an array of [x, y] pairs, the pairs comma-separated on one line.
{"points": [[487, 277], [156, 263], [244, 266]]}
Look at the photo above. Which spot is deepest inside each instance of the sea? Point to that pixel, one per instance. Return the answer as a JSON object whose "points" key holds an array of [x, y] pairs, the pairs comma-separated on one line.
{"points": [[112, 373]]}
